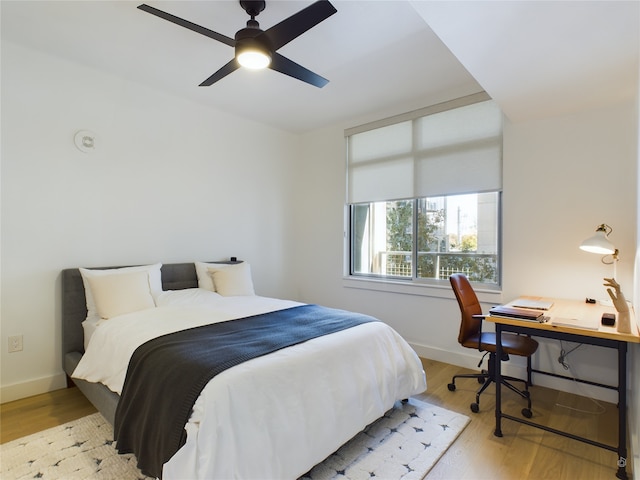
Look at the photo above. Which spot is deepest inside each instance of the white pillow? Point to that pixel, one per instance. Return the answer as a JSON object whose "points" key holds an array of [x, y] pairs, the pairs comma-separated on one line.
{"points": [[204, 277], [155, 283], [121, 293], [232, 280]]}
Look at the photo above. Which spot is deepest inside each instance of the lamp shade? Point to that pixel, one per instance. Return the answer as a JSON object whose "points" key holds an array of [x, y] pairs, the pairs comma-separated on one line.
{"points": [[599, 243]]}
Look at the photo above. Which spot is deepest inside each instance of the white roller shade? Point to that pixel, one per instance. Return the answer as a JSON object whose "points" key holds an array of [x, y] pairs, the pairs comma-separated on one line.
{"points": [[449, 151]]}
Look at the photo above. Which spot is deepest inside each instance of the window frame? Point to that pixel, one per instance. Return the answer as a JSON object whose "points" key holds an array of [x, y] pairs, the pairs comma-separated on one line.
{"points": [[414, 278]]}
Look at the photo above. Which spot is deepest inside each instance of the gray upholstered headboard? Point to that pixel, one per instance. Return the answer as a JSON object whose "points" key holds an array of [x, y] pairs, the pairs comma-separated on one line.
{"points": [[175, 276]]}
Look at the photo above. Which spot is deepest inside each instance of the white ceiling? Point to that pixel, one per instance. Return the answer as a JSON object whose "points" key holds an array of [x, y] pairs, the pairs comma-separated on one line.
{"points": [[535, 58], [544, 58]]}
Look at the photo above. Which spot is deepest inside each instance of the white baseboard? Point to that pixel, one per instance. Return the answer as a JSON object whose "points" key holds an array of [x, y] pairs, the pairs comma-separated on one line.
{"points": [[9, 393], [515, 369]]}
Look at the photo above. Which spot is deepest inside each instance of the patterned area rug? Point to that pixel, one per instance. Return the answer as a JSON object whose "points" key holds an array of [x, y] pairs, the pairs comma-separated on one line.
{"points": [[404, 444]]}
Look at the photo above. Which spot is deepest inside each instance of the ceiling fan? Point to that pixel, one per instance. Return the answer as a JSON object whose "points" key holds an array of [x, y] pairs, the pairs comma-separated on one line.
{"points": [[256, 48]]}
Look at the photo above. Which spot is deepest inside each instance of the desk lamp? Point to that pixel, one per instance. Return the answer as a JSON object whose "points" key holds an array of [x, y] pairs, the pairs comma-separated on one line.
{"points": [[599, 243]]}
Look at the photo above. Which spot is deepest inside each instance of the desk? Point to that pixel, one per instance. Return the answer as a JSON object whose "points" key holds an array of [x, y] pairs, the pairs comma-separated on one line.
{"points": [[606, 337]]}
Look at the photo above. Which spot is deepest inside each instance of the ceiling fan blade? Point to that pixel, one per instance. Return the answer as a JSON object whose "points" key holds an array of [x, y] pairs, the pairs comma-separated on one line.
{"points": [[284, 65], [230, 67], [187, 24], [298, 23]]}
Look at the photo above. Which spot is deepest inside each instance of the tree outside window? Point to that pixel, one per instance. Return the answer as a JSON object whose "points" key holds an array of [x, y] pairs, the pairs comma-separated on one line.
{"points": [[452, 234]]}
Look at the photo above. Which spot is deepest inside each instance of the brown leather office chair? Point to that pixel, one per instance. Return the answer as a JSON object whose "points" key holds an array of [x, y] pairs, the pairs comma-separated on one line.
{"points": [[472, 336]]}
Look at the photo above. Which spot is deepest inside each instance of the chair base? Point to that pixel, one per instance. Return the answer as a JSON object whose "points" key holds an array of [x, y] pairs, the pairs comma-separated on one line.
{"points": [[487, 378]]}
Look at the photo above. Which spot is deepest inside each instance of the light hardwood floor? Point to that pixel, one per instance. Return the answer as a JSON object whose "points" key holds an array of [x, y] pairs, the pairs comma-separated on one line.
{"points": [[33, 414], [523, 451]]}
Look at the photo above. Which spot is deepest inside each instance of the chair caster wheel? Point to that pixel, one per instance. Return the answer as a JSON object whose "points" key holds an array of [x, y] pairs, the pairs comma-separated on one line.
{"points": [[452, 387], [526, 413], [475, 408], [480, 380]]}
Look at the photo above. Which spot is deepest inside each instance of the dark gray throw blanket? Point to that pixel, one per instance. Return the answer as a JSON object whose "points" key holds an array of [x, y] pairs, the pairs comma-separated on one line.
{"points": [[166, 375]]}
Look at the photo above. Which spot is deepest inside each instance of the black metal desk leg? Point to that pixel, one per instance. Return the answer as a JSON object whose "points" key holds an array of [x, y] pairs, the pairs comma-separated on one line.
{"points": [[622, 411], [498, 380]]}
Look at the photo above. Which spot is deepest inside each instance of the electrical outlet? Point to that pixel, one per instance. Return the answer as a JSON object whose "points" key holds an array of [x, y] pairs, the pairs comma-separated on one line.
{"points": [[15, 343]]}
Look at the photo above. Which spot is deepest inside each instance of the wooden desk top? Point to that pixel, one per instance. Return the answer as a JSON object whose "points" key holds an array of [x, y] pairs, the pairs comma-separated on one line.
{"points": [[580, 312]]}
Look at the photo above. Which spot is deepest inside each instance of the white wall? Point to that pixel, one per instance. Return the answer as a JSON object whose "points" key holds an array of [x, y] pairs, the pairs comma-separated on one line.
{"points": [[170, 181], [562, 177]]}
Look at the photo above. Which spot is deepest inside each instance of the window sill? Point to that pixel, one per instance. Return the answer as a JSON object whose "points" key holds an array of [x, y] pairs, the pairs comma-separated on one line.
{"points": [[485, 293]]}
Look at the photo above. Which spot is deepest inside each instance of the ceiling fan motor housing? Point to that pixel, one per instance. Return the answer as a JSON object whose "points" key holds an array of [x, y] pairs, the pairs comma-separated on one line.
{"points": [[248, 39]]}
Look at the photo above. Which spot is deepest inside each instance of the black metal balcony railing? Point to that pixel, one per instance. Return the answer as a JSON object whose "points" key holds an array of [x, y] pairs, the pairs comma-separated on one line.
{"points": [[478, 267]]}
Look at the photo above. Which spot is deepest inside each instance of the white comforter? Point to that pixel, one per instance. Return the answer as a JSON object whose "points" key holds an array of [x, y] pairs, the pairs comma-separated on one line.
{"points": [[275, 416]]}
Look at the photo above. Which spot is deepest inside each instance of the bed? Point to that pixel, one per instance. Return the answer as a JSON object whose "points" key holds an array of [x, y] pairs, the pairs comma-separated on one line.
{"points": [[274, 416]]}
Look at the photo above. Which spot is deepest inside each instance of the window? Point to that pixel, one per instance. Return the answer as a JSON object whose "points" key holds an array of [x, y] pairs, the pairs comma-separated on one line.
{"points": [[424, 193]]}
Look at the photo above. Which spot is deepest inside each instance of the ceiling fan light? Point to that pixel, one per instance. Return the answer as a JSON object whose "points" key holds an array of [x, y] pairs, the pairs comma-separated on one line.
{"points": [[253, 59]]}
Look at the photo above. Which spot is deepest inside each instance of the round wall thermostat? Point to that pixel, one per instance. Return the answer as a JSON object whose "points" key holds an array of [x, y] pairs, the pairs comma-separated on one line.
{"points": [[85, 141]]}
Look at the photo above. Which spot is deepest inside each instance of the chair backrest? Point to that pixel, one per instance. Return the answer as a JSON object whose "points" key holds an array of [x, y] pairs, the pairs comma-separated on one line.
{"points": [[469, 306]]}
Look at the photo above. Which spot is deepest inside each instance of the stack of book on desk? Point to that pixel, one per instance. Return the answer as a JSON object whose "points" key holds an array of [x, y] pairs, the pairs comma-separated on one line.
{"points": [[518, 313]]}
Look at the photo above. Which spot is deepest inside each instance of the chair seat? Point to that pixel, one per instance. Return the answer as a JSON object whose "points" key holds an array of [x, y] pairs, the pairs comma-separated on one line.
{"points": [[512, 344]]}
